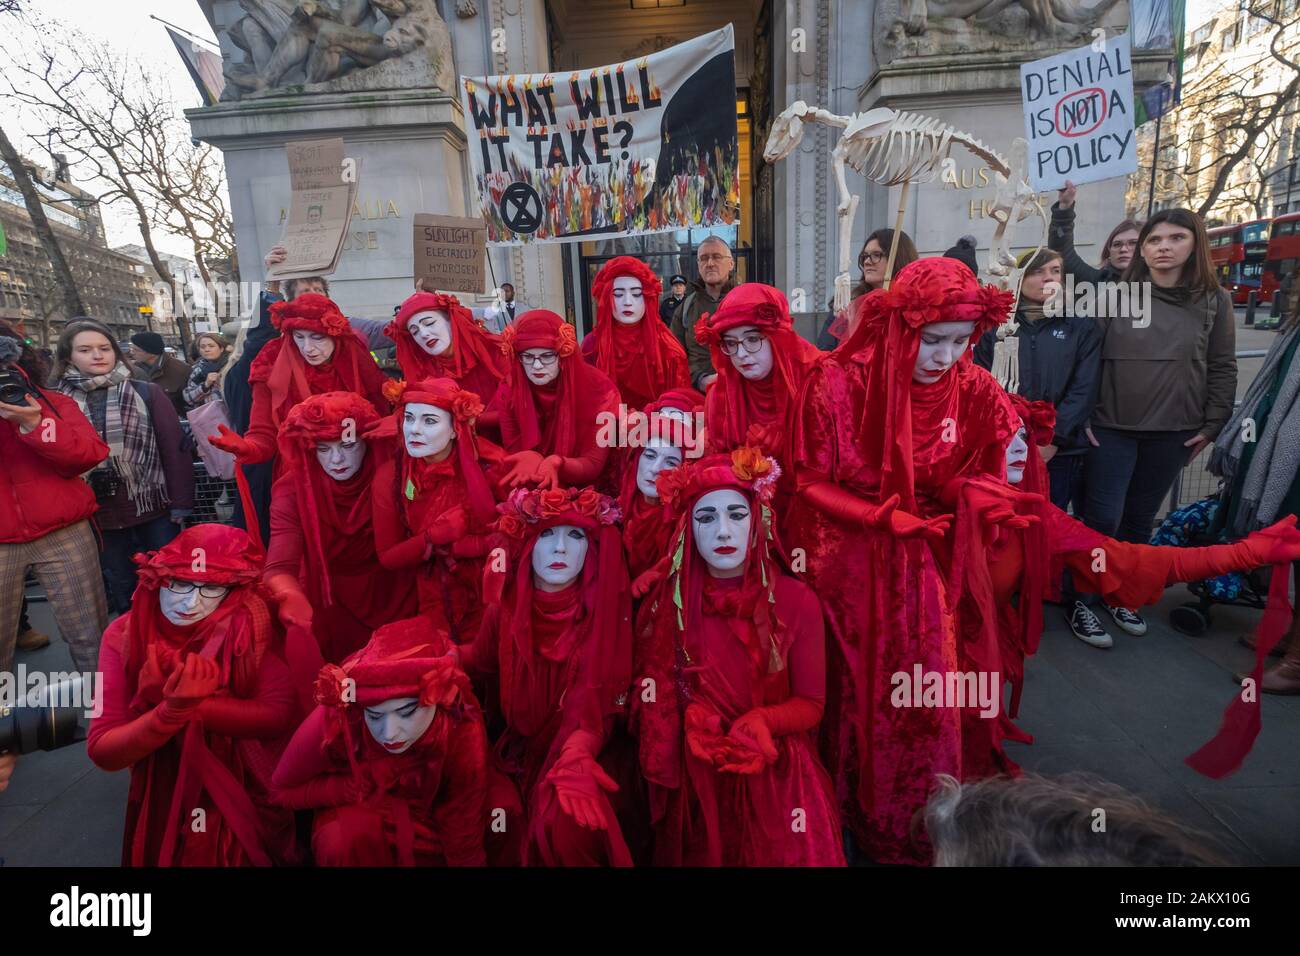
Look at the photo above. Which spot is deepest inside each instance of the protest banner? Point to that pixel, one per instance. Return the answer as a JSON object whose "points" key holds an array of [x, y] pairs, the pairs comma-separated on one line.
{"points": [[450, 253], [643, 146], [1079, 114], [323, 185]]}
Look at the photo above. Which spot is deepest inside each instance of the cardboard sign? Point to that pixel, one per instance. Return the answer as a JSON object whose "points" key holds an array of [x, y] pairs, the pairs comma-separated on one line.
{"points": [[1079, 114], [320, 208], [450, 253], [643, 146]]}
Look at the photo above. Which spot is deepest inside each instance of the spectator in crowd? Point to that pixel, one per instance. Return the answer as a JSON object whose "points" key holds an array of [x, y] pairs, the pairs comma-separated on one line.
{"points": [[1116, 252], [504, 311], [715, 263], [46, 443], [151, 363], [145, 488], [1168, 381], [964, 252], [677, 292], [1035, 821], [205, 378], [873, 260]]}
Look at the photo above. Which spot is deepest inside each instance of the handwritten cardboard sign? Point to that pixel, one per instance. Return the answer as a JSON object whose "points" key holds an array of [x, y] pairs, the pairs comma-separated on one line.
{"points": [[1079, 114], [323, 185], [450, 253]]}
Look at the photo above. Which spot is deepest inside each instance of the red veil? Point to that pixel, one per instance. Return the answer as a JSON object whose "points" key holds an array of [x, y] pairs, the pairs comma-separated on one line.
{"points": [[644, 360], [291, 379], [474, 361], [743, 412]]}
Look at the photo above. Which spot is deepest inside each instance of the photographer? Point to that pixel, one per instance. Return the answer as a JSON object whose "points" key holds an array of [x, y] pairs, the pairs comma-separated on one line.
{"points": [[46, 443]]}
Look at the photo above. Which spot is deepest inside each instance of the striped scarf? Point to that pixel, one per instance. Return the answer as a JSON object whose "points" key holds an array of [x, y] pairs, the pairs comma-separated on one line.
{"points": [[133, 448]]}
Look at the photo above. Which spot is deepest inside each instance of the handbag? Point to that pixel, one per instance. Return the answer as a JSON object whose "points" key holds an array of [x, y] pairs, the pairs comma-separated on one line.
{"points": [[204, 421]]}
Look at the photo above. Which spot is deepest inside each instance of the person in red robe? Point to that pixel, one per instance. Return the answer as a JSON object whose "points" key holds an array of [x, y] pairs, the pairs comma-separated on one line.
{"points": [[321, 564], [672, 435], [762, 364], [317, 351], [553, 406], [893, 423], [437, 337], [434, 502], [639, 354], [1025, 567], [730, 679], [394, 759], [558, 640], [198, 704]]}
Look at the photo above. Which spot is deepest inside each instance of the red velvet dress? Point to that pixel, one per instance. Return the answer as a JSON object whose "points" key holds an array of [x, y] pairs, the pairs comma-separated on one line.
{"points": [[217, 757], [886, 598], [449, 578], [784, 815], [364, 594], [550, 687], [424, 807], [644, 360], [646, 534]]}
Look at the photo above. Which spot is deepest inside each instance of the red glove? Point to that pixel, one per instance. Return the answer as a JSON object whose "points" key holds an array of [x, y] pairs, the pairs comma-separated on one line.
{"points": [[198, 678], [293, 607], [848, 508], [449, 527], [548, 472], [725, 754], [523, 468], [330, 790], [471, 546], [751, 729], [648, 579], [227, 440], [578, 780], [995, 506], [1276, 544]]}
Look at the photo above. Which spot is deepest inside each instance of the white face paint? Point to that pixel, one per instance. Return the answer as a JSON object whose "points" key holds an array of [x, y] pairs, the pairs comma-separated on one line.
{"points": [[657, 456], [558, 557], [340, 460], [316, 347], [942, 344], [754, 366], [184, 609], [542, 366], [426, 429], [720, 523], [398, 723], [629, 300], [431, 330], [1017, 457]]}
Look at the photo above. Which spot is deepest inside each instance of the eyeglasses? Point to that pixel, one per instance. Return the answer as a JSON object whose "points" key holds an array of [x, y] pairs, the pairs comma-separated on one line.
{"points": [[543, 359], [872, 257], [716, 257], [751, 340], [187, 587]]}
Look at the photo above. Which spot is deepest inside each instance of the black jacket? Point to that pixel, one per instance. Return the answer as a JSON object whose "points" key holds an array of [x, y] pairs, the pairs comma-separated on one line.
{"points": [[1060, 362], [1060, 238]]}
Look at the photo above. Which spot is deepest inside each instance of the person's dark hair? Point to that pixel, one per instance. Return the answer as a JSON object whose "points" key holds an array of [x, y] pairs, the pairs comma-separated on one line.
{"points": [[905, 256], [1198, 271], [1035, 261], [1075, 820], [1124, 225], [291, 286], [63, 351], [29, 360]]}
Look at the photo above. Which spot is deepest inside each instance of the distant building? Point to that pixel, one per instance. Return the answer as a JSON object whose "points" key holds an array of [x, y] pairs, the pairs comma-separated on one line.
{"points": [[189, 297], [113, 286]]}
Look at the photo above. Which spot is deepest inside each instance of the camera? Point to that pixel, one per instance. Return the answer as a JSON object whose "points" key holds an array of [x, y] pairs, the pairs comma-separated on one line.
{"points": [[41, 726], [14, 387]]}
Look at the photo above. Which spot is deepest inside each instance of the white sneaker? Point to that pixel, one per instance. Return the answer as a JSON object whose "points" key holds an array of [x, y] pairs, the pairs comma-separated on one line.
{"points": [[1128, 620], [1086, 626]]}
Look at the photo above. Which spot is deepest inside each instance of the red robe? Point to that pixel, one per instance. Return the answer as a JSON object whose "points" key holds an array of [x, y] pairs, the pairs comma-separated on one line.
{"points": [[643, 360], [784, 815], [218, 757], [886, 599]]}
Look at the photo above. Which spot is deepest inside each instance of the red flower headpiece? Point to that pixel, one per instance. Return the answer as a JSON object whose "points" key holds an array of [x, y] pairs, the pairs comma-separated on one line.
{"points": [[603, 284], [403, 659], [1039, 418], [442, 392], [538, 509], [311, 313], [322, 417], [750, 303], [938, 290], [746, 468], [208, 553], [539, 329]]}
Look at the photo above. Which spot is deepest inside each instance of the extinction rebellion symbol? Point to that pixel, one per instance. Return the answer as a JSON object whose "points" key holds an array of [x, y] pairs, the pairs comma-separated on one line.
{"points": [[521, 208]]}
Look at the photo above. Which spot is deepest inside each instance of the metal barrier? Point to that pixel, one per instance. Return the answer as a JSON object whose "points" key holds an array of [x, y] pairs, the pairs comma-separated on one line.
{"points": [[214, 498]]}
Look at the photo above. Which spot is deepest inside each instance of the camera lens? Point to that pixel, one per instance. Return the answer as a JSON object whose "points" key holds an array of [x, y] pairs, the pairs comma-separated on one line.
{"points": [[42, 726]]}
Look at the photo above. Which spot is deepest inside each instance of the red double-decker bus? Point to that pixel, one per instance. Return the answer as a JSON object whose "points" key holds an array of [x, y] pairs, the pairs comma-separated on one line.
{"points": [[1239, 253], [1283, 253]]}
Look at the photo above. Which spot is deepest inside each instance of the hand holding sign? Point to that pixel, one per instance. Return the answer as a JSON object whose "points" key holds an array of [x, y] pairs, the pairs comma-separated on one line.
{"points": [[324, 185]]}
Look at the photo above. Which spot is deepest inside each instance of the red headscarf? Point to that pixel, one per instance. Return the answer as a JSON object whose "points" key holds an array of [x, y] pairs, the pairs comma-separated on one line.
{"points": [[597, 611], [474, 359], [291, 379], [743, 412], [342, 505], [1039, 419], [645, 358], [886, 340], [465, 407], [551, 419]]}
